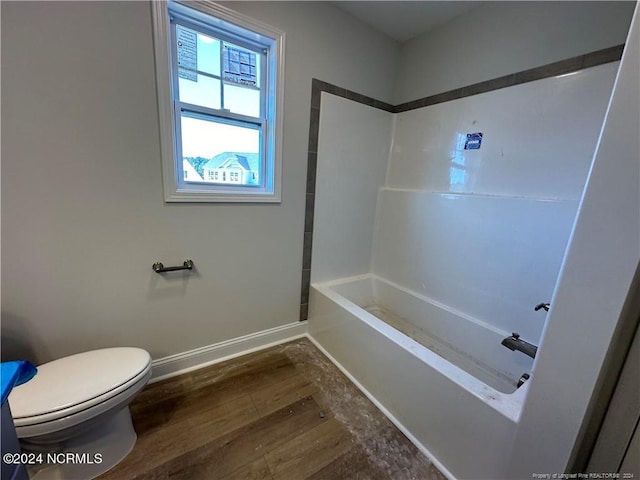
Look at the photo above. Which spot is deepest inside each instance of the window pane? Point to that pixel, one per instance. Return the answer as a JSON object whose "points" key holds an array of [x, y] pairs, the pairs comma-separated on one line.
{"points": [[242, 100], [208, 54], [196, 52], [240, 65], [220, 153], [186, 46], [204, 92]]}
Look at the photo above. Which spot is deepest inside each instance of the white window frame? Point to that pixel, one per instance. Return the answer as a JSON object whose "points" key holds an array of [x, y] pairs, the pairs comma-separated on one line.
{"points": [[175, 189]]}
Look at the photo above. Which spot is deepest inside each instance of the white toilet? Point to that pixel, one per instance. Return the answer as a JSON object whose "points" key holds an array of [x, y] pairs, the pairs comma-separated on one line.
{"points": [[80, 405]]}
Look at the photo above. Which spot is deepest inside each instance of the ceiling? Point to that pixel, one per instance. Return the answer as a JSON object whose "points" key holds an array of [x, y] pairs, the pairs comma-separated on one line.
{"points": [[404, 20]]}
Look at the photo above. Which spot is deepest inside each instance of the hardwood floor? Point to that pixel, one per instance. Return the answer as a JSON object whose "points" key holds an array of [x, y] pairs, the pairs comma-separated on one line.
{"points": [[285, 413]]}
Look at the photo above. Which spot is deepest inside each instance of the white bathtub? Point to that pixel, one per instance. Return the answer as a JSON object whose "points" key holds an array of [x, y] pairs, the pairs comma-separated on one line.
{"points": [[447, 382]]}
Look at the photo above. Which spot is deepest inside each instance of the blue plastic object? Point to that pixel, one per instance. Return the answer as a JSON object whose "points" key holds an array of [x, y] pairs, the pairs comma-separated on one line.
{"points": [[15, 373]]}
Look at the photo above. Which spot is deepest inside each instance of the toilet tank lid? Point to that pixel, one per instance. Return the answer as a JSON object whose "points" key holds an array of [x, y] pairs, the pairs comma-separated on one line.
{"points": [[76, 379]]}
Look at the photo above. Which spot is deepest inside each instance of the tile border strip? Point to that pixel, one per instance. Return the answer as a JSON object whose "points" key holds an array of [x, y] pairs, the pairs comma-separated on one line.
{"points": [[569, 65]]}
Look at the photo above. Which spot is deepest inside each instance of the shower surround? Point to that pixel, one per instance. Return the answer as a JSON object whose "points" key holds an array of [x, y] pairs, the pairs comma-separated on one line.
{"points": [[426, 254]]}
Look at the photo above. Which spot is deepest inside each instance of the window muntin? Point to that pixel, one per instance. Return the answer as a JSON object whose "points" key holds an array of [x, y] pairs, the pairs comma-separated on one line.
{"points": [[226, 78]]}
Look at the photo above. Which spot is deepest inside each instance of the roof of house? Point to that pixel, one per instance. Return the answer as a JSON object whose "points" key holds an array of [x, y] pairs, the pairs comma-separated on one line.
{"points": [[245, 160], [193, 173]]}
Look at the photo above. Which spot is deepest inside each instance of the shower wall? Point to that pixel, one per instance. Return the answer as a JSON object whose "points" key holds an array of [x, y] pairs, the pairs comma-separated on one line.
{"points": [[484, 231], [353, 150], [481, 231]]}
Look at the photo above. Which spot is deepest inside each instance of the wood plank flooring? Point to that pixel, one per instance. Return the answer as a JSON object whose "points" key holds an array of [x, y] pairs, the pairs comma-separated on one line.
{"points": [[285, 413]]}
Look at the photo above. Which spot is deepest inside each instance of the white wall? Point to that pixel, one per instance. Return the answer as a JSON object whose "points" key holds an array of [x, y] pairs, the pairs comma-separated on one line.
{"points": [[490, 258], [484, 231], [501, 38], [353, 150], [83, 217]]}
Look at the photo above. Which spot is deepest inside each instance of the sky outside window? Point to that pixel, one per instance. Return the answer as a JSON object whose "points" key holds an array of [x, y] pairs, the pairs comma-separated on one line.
{"points": [[201, 138]]}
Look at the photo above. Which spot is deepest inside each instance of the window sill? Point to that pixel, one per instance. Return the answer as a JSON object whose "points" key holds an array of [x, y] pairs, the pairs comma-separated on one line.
{"points": [[208, 197]]}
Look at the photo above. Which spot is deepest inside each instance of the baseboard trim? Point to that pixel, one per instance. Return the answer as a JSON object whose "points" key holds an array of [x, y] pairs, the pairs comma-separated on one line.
{"points": [[184, 362], [407, 433]]}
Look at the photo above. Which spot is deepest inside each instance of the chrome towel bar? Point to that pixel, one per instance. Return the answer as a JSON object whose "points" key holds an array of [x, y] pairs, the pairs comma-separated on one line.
{"points": [[160, 268]]}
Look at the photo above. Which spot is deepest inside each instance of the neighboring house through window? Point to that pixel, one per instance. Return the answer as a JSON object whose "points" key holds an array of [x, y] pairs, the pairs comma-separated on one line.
{"points": [[242, 168], [220, 87]]}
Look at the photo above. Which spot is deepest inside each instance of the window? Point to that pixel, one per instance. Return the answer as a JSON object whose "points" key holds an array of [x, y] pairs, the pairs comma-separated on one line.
{"points": [[220, 83]]}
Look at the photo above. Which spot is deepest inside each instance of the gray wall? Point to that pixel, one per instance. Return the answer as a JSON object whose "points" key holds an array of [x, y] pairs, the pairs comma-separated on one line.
{"points": [[83, 216], [500, 38]]}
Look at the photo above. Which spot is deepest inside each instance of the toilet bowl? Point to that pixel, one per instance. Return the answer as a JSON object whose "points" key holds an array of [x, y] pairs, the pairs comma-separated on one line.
{"points": [[75, 412]]}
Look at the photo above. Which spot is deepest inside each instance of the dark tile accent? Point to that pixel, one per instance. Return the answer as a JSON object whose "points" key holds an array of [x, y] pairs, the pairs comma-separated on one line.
{"points": [[605, 55], [591, 59], [316, 93], [404, 107], [304, 312], [322, 86], [319, 86], [335, 90], [306, 283], [445, 97], [308, 214], [369, 101], [357, 97], [312, 165], [314, 126], [306, 252], [383, 106], [550, 70], [482, 87]]}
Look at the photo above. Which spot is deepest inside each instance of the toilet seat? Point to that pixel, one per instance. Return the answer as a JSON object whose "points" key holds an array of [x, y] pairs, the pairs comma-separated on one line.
{"points": [[74, 384]]}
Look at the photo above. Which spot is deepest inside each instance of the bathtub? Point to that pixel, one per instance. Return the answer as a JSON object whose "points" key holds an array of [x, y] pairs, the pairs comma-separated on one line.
{"points": [[441, 376]]}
